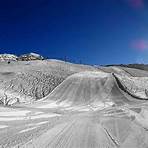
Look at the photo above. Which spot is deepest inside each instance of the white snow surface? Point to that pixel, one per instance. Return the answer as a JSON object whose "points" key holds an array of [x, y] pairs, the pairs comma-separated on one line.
{"points": [[3, 126], [14, 113], [7, 114], [98, 74], [136, 85], [35, 54]]}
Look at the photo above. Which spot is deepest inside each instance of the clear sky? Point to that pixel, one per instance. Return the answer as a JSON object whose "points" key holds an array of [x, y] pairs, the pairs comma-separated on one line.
{"points": [[90, 31]]}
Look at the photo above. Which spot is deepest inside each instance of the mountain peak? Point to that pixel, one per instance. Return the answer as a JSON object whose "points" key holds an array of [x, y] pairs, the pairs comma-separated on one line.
{"points": [[24, 57], [30, 56], [8, 57]]}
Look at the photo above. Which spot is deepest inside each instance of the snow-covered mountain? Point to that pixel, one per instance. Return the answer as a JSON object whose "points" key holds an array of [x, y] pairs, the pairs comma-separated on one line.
{"points": [[24, 57], [8, 57], [30, 56]]}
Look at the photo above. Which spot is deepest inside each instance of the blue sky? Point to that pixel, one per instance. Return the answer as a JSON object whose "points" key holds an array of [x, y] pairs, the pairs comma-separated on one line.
{"points": [[90, 31]]}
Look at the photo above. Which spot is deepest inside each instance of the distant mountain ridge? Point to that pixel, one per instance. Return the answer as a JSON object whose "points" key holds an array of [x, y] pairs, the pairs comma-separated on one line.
{"points": [[8, 57], [34, 56], [136, 66], [24, 57], [30, 56]]}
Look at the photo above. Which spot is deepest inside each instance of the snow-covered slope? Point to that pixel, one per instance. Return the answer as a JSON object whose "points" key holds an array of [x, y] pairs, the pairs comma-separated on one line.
{"points": [[26, 81], [81, 106], [137, 86], [26, 87], [90, 89], [124, 71]]}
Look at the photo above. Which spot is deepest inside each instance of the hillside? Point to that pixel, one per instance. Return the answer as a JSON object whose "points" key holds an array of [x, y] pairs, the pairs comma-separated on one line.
{"points": [[27, 81], [56, 104], [136, 66]]}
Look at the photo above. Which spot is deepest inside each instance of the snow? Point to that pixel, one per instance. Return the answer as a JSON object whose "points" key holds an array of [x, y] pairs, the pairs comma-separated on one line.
{"points": [[49, 105], [11, 119], [94, 74], [35, 54], [29, 129], [92, 107], [44, 116], [78, 108], [101, 105], [3, 126], [91, 93], [136, 85], [28, 117], [14, 113], [40, 123]]}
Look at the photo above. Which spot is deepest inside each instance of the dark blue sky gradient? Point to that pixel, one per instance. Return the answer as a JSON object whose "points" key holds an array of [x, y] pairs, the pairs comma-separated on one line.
{"points": [[93, 31]]}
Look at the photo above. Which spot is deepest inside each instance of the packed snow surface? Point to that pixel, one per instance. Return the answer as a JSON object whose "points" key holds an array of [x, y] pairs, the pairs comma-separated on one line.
{"points": [[57, 104]]}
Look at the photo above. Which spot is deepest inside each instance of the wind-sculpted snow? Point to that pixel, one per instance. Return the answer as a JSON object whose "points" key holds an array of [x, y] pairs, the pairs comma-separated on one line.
{"points": [[28, 86]]}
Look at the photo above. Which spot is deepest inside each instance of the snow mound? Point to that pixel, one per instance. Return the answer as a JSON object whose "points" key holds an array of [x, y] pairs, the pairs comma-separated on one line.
{"points": [[93, 89]]}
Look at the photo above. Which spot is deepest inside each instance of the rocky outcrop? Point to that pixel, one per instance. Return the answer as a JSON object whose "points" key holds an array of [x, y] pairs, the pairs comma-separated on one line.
{"points": [[30, 56], [8, 57], [24, 57]]}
